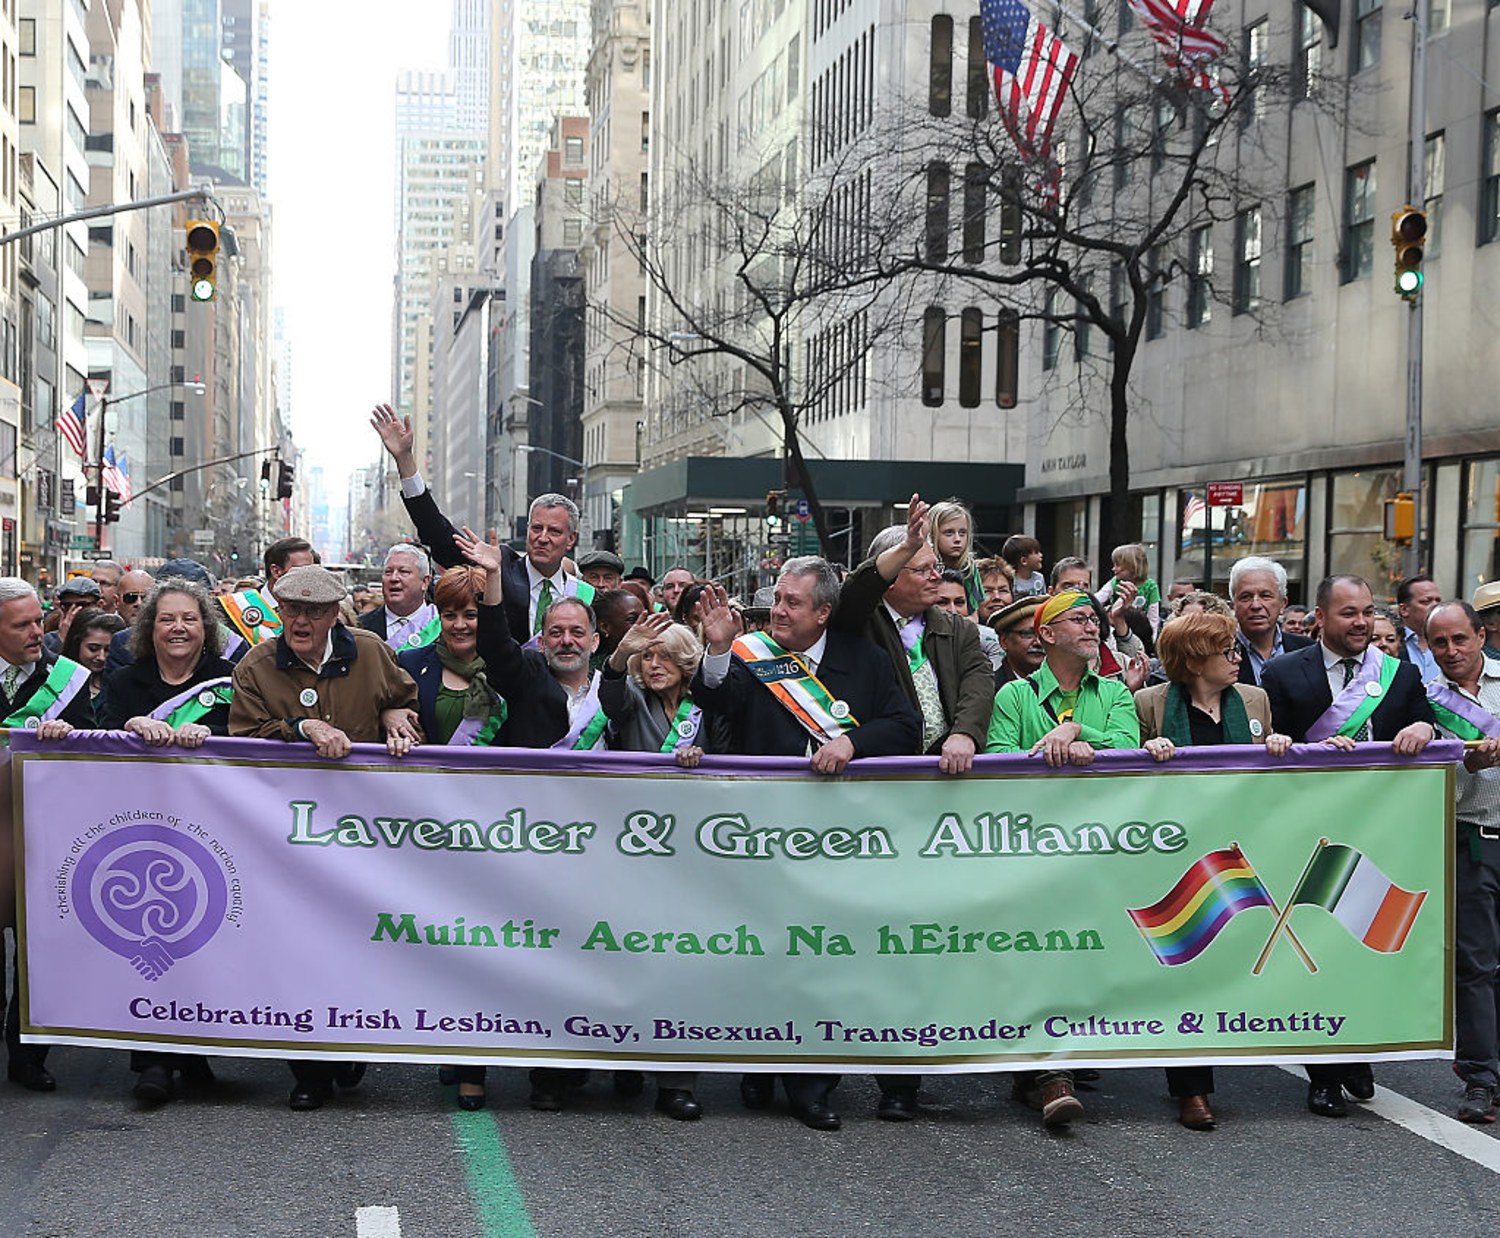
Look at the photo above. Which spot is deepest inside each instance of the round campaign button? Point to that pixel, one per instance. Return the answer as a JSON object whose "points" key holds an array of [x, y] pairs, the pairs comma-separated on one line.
{"points": [[253, 616], [1256, 729], [33, 723], [686, 727], [206, 697], [1372, 689], [308, 697], [839, 709], [414, 639]]}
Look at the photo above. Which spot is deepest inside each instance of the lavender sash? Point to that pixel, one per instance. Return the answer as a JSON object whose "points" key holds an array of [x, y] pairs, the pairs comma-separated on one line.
{"points": [[1458, 714], [1359, 699]]}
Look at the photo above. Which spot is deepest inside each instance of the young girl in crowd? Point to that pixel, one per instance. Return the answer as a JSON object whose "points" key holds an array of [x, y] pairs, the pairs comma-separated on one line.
{"points": [[1024, 554], [1131, 566], [953, 539]]}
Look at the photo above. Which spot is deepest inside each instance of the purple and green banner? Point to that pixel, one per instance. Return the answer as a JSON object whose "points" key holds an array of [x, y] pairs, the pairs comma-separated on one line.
{"points": [[507, 907]]}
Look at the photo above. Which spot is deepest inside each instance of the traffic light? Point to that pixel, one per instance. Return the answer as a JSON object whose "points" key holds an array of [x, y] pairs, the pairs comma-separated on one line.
{"points": [[1408, 235], [203, 251], [111, 507], [285, 474], [1011, 220], [774, 499], [265, 476]]}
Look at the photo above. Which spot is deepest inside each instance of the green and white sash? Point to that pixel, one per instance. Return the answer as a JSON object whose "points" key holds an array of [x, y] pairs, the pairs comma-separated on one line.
{"points": [[787, 677], [479, 732], [65, 680], [1360, 698], [1460, 716], [683, 733], [419, 628], [195, 702], [586, 722]]}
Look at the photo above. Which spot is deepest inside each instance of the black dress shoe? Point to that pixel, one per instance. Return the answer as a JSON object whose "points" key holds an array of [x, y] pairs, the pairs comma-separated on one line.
{"points": [[545, 1100], [678, 1103], [305, 1098], [447, 1076], [757, 1091], [154, 1087], [348, 1074], [816, 1115], [197, 1074], [32, 1076], [629, 1083], [1326, 1100], [471, 1104], [897, 1106], [1359, 1081]]}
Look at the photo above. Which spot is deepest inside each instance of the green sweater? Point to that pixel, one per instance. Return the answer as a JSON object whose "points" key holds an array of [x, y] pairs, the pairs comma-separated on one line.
{"points": [[1104, 712]]}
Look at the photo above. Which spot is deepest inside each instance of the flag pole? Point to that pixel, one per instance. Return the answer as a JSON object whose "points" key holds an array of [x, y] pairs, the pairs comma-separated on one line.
{"points": [[1286, 911], [1112, 46], [1277, 912]]}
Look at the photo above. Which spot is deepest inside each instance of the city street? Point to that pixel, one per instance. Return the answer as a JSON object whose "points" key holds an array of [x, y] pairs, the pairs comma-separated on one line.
{"points": [[397, 1158]]}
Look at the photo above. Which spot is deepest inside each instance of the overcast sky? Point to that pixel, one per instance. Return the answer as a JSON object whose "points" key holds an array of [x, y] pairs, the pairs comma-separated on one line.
{"points": [[332, 185]]}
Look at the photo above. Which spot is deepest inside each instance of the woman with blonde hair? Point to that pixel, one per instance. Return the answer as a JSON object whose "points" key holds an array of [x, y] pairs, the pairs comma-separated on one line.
{"points": [[1202, 703]]}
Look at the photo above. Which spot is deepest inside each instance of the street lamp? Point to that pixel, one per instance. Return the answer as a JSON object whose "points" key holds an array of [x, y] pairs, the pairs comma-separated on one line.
{"points": [[547, 451]]}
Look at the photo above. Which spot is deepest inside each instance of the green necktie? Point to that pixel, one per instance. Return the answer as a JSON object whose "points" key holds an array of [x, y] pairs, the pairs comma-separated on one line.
{"points": [[543, 600], [12, 681]]}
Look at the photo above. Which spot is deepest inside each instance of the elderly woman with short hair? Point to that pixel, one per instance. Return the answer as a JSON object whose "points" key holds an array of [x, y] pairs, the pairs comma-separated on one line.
{"points": [[1202, 703]]}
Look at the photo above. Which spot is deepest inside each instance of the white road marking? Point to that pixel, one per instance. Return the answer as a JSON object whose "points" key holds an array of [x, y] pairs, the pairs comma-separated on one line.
{"points": [[1469, 1142], [377, 1222]]}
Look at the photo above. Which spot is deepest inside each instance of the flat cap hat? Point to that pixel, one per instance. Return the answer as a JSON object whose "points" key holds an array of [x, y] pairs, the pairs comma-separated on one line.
{"points": [[1019, 613], [601, 558], [309, 583], [80, 586]]}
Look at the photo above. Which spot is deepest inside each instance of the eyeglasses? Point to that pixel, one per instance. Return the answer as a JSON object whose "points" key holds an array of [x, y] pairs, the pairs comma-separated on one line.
{"points": [[935, 570], [308, 610], [130, 599], [72, 603], [1234, 653], [1085, 620]]}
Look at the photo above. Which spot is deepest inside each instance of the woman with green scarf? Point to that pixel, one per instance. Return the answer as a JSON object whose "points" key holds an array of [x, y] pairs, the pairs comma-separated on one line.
{"points": [[1202, 703]]}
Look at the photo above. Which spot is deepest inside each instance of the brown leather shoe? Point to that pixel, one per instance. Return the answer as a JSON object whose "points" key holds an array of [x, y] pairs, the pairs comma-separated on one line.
{"points": [[1195, 1113], [1059, 1105]]}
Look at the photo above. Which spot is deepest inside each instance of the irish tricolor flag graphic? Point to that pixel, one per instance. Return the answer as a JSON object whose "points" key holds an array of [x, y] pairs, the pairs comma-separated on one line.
{"points": [[1363, 899]]}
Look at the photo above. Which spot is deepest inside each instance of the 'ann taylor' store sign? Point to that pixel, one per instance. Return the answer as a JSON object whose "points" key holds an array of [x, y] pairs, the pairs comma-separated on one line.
{"points": [[1065, 464]]}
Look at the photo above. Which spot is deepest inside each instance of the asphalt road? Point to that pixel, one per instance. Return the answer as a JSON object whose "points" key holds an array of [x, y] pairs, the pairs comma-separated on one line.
{"points": [[395, 1158]]}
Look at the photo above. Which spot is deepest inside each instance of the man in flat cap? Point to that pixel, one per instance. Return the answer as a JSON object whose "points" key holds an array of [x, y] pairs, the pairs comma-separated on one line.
{"points": [[1022, 651], [601, 568], [1064, 711]]}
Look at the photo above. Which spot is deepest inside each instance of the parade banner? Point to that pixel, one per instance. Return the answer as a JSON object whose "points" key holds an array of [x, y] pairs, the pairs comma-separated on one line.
{"points": [[560, 908]]}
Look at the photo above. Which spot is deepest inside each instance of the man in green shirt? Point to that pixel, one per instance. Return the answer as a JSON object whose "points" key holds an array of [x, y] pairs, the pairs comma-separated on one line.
{"points": [[1064, 711]]}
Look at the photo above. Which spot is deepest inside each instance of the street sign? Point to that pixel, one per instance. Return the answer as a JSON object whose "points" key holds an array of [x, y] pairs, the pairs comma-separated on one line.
{"points": [[203, 537], [1226, 493], [68, 504], [82, 541], [97, 554], [803, 509]]}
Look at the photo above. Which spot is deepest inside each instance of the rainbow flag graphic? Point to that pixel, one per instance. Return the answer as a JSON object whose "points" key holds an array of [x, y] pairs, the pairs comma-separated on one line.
{"points": [[1209, 895]]}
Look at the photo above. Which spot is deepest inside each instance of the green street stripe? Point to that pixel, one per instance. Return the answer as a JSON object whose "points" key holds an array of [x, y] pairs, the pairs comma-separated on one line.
{"points": [[492, 1184]]}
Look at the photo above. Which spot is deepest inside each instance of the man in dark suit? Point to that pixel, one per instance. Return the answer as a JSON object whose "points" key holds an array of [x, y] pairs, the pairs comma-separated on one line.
{"points": [[1323, 693], [53, 706], [866, 708], [530, 583], [942, 669], [407, 620], [1257, 588]]}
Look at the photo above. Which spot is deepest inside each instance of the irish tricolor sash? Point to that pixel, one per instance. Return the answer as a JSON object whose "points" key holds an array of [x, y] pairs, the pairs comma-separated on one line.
{"points": [[1460, 716], [195, 702], [1361, 697], [64, 681], [419, 628], [787, 677], [252, 615]]}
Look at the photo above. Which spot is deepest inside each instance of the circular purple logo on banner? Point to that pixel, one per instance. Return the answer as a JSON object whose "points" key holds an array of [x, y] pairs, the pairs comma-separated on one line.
{"points": [[150, 894]]}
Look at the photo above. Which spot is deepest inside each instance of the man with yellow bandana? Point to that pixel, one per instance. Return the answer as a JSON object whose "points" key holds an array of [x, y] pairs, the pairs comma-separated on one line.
{"points": [[1064, 711]]}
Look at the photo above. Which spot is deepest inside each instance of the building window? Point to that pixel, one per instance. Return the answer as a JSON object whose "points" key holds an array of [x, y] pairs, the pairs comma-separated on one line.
{"points": [[174, 446], [1051, 332], [940, 67], [573, 191], [1256, 37], [1439, 14], [572, 232], [1155, 292], [1299, 241], [1247, 260], [178, 411], [1481, 535], [1308, 61], [970, 356], [1200, 274], [1435, 174], [976, 179], [26, 36], [934, 350], [1356, 525], [1359, 221], [1007, 358], [26, 105], [1489, 195], [573, 150], [1365, 49], [980, 81], [937, 211]]}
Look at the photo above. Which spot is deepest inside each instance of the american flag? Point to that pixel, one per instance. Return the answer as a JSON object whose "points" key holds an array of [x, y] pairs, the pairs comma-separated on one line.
{"points": [[1191, 510], [1188, 49], [1032, 71], [71, 424], [117, 473]]}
